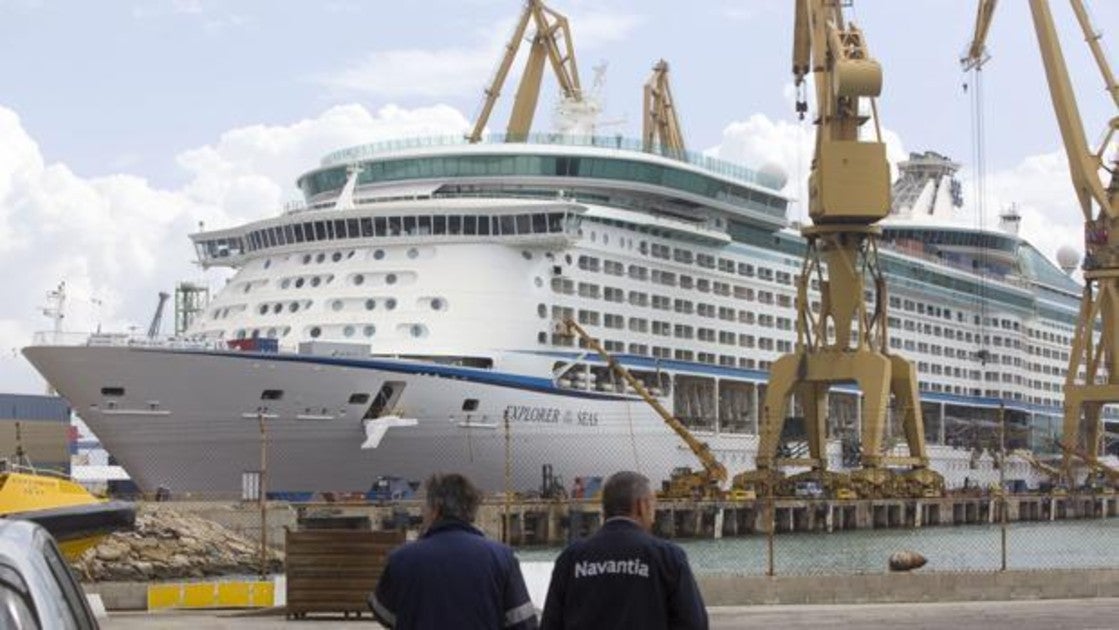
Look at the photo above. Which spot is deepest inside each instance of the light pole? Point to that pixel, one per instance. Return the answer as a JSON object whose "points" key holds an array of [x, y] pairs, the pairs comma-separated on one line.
{"points": [[1002, 479], [262, 493]]}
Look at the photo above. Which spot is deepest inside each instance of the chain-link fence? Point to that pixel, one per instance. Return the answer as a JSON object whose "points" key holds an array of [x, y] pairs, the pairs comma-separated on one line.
{"points": [[542, 471]]}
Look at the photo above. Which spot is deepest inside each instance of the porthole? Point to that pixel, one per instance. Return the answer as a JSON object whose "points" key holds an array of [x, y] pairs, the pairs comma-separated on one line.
{"points": [[299, 282], [256, 333], [378, 254], [413, 252], [267, 263], [358, 279], [263, 309], [369, 330], [336, 305], [321, 257], [542, 311], [293, 307], [316, 281], [271, 333], [527, 254], [538, 281], [370, 304], [336, 256], [437, 304], [350, 255], [285, 283], [241, 333], [248, 287], [287, 331], [306, 259], [418, 330], [567, 258], [542, 337], [329, 278], [390, 278], [315, 332], [390, 303], [277, 307], [348, 331]]}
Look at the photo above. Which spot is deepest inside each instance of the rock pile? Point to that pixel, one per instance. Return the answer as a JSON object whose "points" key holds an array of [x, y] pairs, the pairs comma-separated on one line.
{"points": [[166, 545]]}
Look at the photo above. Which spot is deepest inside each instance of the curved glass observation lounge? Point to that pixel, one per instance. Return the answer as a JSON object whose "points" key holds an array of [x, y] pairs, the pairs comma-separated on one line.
{"points": [[613, 172]]}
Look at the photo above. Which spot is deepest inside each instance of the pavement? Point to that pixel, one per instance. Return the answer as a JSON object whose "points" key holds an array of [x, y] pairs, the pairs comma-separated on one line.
{"points": [[1068, 614]]}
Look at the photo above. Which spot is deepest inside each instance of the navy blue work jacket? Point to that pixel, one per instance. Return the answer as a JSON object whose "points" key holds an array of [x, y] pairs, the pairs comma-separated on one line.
{"points": [[453, 577], [623, 577]]}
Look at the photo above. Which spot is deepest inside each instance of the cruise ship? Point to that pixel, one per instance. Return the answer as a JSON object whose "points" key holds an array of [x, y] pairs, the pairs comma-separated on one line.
{"points": [[402, 320]]}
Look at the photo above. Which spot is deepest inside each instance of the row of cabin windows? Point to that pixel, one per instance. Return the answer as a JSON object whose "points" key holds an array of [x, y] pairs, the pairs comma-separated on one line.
{"points": [[678, 354], [382, 226], [567, 286], [987, 322], [684, 256]]}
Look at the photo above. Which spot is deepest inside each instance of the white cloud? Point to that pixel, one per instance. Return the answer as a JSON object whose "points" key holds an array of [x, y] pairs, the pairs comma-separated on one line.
{"points": [[117, 241], [462, 70]]}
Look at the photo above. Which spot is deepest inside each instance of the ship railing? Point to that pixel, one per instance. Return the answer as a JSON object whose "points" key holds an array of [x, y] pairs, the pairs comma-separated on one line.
{"points": [[695, 158], [117, 340]]}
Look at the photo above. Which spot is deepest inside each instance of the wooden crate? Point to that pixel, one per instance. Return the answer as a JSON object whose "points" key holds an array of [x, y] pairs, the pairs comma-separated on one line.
{"points": [[334, 570]]}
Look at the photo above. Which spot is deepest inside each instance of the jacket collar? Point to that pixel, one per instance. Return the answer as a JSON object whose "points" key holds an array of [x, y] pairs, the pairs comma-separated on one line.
{"points": [[451, 524], [621, 522]]}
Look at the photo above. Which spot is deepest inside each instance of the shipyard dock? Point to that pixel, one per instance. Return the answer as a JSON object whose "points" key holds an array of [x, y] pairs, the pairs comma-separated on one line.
{"points": [[535, 522]]}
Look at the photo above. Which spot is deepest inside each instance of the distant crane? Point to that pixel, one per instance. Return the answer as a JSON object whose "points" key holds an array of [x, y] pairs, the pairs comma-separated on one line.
{"points": [[552, 42], [157, 319], [661, 125]]}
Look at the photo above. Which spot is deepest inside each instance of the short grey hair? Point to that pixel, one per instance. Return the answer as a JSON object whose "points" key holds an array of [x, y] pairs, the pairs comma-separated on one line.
{"points": [[621, 491], [452, 496]]}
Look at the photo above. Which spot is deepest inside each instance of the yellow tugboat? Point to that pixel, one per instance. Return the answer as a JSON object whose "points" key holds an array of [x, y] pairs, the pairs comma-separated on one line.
{"points": [[76, 518]]}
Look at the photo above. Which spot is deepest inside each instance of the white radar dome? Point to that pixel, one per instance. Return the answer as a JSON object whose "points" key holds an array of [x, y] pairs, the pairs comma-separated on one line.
{"points": [[1068, 258], [776, 171]]}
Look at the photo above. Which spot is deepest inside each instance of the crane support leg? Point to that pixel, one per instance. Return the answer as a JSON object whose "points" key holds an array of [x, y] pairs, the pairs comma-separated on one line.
{"points": [[528, 93], [1093, 359]]}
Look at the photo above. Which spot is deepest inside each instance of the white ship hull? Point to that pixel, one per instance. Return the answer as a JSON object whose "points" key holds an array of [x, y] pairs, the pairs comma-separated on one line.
{"points": [[189, 421]]}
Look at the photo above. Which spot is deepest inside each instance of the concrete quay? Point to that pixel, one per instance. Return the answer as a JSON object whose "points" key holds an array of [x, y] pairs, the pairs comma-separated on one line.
{"points": [[1072, 614], [539, 522]]}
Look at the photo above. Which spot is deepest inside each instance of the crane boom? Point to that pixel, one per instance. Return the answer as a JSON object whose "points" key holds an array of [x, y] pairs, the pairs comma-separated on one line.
{"points": [[661, 126], [552, 42], [714, 470], [1084, 164], [977, 54]]}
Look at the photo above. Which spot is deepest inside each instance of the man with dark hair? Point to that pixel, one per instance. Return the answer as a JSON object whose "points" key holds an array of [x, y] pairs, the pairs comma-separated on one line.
{"points": [[623, 576], [452, 577]]}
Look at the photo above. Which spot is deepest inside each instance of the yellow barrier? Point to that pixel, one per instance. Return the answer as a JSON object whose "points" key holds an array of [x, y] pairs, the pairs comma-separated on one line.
{"points": [[242, 594]]}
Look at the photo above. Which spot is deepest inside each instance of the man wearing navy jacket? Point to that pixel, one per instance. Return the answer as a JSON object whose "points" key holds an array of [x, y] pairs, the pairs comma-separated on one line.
{"points": [[623, 576], [452, 577]]}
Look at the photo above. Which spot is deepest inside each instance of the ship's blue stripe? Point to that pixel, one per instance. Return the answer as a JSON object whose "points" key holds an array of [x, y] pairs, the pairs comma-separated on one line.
{"points": [[487, 377]]}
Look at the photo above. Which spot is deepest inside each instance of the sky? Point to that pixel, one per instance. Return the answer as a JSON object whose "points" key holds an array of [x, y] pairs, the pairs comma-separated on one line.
{"points": [[126, 124]]}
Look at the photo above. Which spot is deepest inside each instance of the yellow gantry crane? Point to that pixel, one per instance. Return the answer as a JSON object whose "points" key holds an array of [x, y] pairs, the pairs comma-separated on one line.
{"points": [[1093, 370], [660, 124], [848, 193], [551, 42], [705, 484]]}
